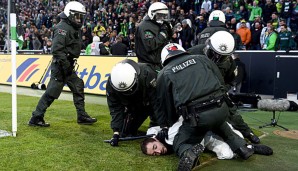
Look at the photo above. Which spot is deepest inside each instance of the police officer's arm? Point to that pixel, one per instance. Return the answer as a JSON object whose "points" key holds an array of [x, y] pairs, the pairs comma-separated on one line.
{"points": [[59, 47], [165, 106], [116, 109], [151, 41], [151, 76]]}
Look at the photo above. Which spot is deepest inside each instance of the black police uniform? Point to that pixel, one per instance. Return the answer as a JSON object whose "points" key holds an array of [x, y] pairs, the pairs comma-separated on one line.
{"points": [[227, 67], [130, 110], [192, 86], [66, 49], [214, 26], [149, 41]]}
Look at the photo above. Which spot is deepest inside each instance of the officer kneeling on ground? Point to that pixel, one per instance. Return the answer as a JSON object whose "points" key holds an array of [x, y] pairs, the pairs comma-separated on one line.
{"points": [[131, 97], [66, 49], [216, 51], [192, 86]]}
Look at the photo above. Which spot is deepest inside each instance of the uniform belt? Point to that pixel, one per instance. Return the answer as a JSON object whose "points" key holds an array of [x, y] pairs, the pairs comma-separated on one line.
{"points": [[194, 109]]}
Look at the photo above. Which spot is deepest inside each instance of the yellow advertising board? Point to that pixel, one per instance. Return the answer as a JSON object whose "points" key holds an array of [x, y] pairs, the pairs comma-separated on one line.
{"points": [[94, 70]]}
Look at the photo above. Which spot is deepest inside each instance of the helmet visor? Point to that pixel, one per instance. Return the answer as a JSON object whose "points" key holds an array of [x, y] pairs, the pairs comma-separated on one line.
{"points": [[78, 17], [161, 17]]}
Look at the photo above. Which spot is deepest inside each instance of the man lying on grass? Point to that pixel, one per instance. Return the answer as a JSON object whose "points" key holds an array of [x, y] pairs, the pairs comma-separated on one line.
{"points": [[211, 141]]}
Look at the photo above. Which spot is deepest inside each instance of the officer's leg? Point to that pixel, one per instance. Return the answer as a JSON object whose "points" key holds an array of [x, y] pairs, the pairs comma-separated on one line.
{"points": [[52, 92], [236, 120], [187, 146], [135, 119], [237, 144], [76, 85]]}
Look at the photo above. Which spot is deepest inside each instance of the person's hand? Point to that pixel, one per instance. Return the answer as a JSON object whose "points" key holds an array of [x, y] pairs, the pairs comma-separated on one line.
{"points": [[162, 134], [166, 29], [115, 140]]}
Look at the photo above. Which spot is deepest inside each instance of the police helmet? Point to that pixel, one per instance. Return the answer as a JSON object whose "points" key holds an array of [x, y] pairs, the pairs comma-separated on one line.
{"points": [[159, 12], [75, 12], [217, 15], [171, 50], [221, 43], [124, 76]]}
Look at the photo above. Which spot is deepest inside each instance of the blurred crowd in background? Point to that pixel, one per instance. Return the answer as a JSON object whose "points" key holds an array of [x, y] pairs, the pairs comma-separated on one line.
{"points": [[252, 23]]}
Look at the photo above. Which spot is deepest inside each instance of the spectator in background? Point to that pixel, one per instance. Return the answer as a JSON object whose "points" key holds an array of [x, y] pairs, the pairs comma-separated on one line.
{"points": [[36, 43], [228, 14], [286, 11], [207, 6], [268, 9], [93, 48], [275, 20], [243, 13], [264, 33], [285, 40], [104, 46], [245, 34], [226, 4], [238, 25], [131, 42], [201, 24], [87, 34], [48, 47], [238, 41], [255, 11], [99, 29], [119, 48], [279, 6], [255, 36], [281, 23], [270, 39], [186, 34]]}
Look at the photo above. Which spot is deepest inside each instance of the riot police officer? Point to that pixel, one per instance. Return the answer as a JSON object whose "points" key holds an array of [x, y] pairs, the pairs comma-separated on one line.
{"points": [[131, 97], [227, 66], [217, 21], [66, 49], [152, 34], [192, 86]]}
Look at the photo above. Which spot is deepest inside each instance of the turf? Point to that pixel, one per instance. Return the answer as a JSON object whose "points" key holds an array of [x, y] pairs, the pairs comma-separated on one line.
{"points": [[65, 145]]}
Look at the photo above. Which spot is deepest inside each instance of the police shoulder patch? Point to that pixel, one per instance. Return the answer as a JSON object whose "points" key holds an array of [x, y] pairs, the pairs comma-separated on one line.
{"points": [[148, 35], [62, 32]]}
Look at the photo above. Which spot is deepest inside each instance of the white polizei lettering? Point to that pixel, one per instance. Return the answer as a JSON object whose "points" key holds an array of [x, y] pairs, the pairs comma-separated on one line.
{"points": [[183, 65]]}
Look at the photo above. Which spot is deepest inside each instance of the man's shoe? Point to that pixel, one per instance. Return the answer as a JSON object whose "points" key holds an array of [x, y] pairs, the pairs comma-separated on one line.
{"points": [[38, 121], [262, 149], [190, 158], [244, 152], [86, 119], [253, 138]]}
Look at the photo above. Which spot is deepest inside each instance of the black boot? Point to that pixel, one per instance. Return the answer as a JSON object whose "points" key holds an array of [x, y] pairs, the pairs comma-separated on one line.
{"points": [[253, 138], [85, 119], [244, 152], [262, 149], [38, 121], [190, 158]]}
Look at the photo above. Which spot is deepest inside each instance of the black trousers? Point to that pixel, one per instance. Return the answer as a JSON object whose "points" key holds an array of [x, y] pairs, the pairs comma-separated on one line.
{"points": [[211, 120], [54, 89]]}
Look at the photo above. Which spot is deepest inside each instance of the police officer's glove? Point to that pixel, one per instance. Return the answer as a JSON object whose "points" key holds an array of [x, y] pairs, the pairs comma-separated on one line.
{"points": [[164, 31], [114, 141], [162, 134], [169, 29]]}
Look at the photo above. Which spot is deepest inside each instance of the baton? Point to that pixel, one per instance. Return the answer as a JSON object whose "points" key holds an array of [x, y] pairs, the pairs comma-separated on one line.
{"points": [[131, 138]]}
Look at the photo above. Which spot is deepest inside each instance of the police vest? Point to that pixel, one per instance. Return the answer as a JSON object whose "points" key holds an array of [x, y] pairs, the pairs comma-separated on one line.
{"points": [[95, 48]]}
